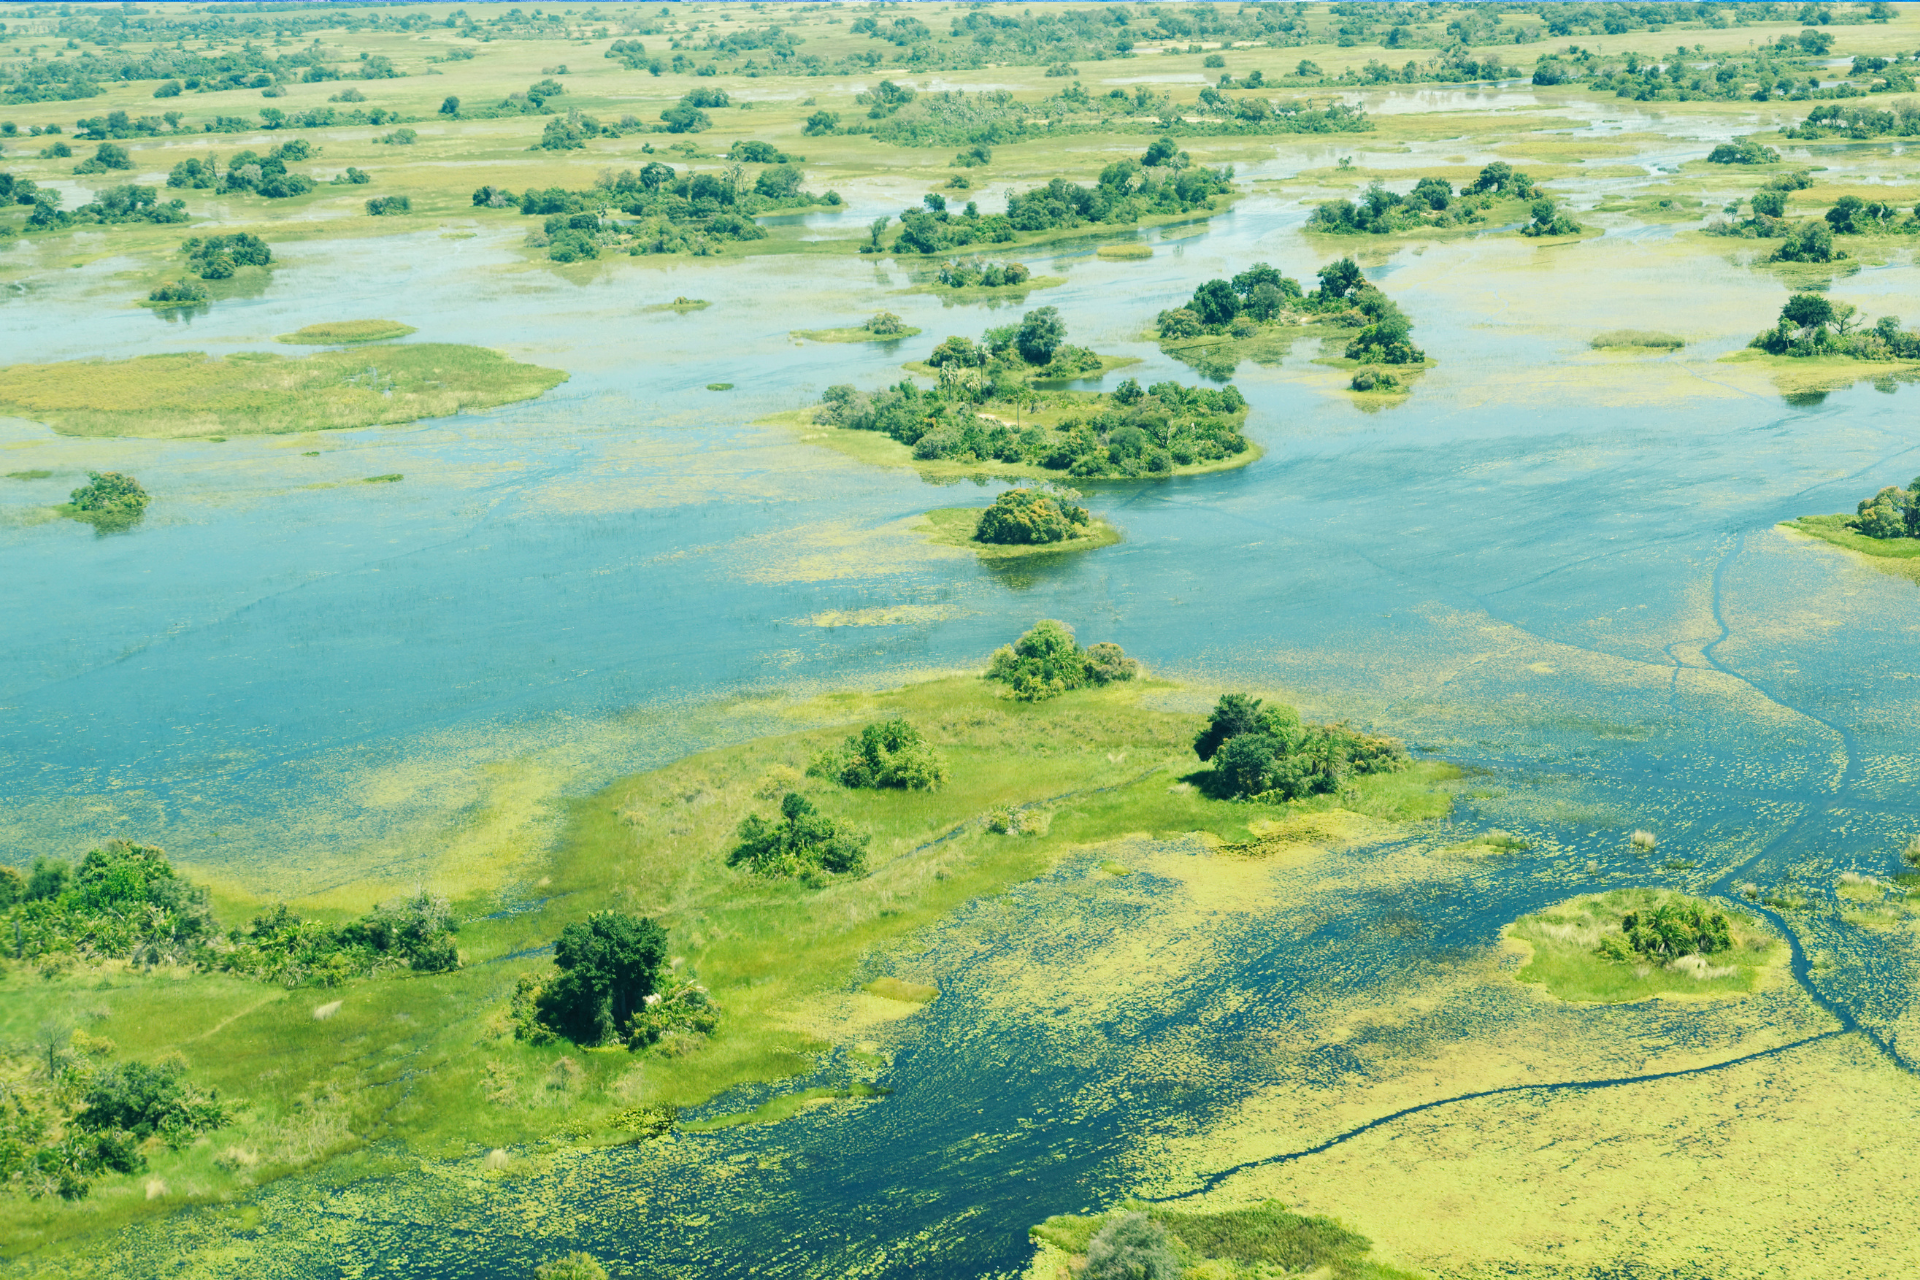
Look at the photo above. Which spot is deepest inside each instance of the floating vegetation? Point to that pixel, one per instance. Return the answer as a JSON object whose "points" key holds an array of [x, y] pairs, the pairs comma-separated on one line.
{"points": [[719, 386]]}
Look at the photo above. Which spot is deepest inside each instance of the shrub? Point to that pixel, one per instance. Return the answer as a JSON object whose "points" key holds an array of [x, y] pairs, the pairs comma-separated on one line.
{"points": [[186, 291], [146, 1102], [1131, 1247], [573, 1266], [1745, 151], [885, 324], [218, 257], [1047, 662], [891, 753], [609, 965], [1265, 752], [110, 494], [1671, 930], [802, 844], [386, 206], [106, 156], [1021, 517]]}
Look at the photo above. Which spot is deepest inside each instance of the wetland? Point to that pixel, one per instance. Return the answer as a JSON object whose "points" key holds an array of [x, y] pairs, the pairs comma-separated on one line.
{"points": [[1558, 891]]}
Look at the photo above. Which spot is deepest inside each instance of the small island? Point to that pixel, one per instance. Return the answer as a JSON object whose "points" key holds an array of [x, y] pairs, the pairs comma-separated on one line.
{"points": [[347, 332], [174, 396], [883, 326], [1819, 344], [1885, 528], [1635, 944], [1021, 522], [1432, 210], [110, 501]]}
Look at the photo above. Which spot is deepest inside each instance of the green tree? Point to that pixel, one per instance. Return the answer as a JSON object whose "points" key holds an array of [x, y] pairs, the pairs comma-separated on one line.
{"points": [[1047, 661], [1040, 335], [109, 498], [1807, 310], [148, 1101], [1675, 929], [450, 106], [821, 122], [1770, 204], [609, 964], [803, 844], [1024, 517], [1812, 242], [1215, 303], [1236, 714], [1131, 1247], [1340, 278], [1160, 152], [891, 753]]}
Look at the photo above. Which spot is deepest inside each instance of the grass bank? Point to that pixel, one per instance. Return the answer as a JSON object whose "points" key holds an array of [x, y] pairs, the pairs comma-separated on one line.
{"points": [[192, 394], [1811, 375], [1561, 949], [1897, 556]]}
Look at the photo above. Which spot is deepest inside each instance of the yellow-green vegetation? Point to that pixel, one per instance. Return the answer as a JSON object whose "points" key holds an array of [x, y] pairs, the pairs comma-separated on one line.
{"points": [[35, 474], [193, 394], [681, 305], [782, 1106], [987, 293], [1897, 556], [957, 527], [1811, 375], [1584, 949], [1259, 1242], [1134, 252], [1637, 340], [343, 332], [903, 991], [884, 327]]}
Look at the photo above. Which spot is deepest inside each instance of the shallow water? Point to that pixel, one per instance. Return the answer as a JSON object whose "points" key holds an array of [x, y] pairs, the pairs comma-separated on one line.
{"points": [[1556, 566]]}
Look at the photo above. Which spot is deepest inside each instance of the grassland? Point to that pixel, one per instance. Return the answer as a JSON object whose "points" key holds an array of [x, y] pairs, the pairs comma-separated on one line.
{"points": [[954, 527], [193, 394], [1560, 948], [347, 332], [430, 1061]]}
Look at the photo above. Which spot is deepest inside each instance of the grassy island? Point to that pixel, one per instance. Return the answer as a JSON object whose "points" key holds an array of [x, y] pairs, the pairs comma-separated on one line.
{"points": [[1636, 944], [344, 332], [883, 327], [1432, 210], [1884, 527], [746, 886], [1819, 344], [1235, 1244], [193, 394]]}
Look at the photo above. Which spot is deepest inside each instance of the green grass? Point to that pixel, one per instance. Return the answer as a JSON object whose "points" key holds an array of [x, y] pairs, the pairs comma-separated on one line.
{"points": [[347, 331], [954, 527], [1135, 252], [981, 293], [1897, 556], [856, 334], [389, 478], [1560, 945], [1256, 1243], [1638, 339], [906, 992], [193, 394], [29, 475], [782, 1106]]}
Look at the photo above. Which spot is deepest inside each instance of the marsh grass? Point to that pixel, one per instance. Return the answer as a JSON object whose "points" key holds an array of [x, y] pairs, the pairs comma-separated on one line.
{"points": [[1560, 945], [857, 334], [1252, 1243], [1135, 252], [29, 475], [907, 992], [956, 526], [1897, 556], [1637, 340], [192, 394], [347, 331], [981, 293], [784, 1105]]}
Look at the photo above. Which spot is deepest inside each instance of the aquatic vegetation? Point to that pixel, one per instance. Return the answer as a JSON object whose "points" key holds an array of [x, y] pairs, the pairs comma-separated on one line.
{"points": [[1642, 339], [1632, 944], [1234, 1244], [891, 753], [1046, 662], [346, 332], [191, 394]]}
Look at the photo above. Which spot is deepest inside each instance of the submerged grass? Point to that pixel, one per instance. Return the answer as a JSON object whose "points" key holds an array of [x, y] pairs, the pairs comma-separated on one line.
{"points": [[193, 394], [856, 334], [1638, 339], [1560, 945]]}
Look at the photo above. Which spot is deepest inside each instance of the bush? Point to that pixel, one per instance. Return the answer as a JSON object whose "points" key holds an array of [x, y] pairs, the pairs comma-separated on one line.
{"points": [[1668, 932], [1022, 517], [1745, 151], [802, 844], [187, 291], [1046, 662], [110, 495], [386, 206], [106, 156], [218, 257], [1131, 1247], [146, 1102], [414, 935], [609, 965], [891, 753], [1266, 752]]}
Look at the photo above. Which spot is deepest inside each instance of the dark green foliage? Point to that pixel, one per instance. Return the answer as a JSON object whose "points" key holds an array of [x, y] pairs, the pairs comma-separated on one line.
{"points": [[821, 122], [1124, 194], [983, 275], [415, 934], [1668, 932], [268, 175], [195, 173], [690, 213], [1024, 517], [1745, 151], [388, 206], [803, 844], [1047, 662], [351, 178], [110, 495], [118, 204], [1266, 753], [1131, 1246], [1891, 513], [147, 1101], [1811, 242], [218, 257], [609, 964], [1813, 325], [1548, 220], [567, 133], [685, 119], [106, 156], [122, 902], [1382, 212], [450, 106], [891, 753]]}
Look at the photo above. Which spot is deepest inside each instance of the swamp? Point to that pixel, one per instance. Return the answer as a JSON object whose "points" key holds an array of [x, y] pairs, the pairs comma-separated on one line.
{"points": [[947, 640]]}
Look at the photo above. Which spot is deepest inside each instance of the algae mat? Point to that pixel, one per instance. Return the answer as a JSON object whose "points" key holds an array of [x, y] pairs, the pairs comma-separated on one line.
{"points": [[193, 394]]}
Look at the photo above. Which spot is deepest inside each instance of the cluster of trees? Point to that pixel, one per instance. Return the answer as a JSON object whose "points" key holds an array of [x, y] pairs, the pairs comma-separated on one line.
{"points": [[412, 935], [1047, 661], [389, 206], [891, 753], [118, 204], [1031, 517], [122, 902], [106, 157], [982, 275], [1811, 324], [179, 292], [674, 212], [804, 844], [1789, 68], [1745, 151], [1891, 513], [1431, 203], [1549, 220], [613, 985], [218, 257], [885, 324], [1861, 122], [1769, 210], [71, 1114], [248, 171], [1263, 752], [109, 499], [1261, 295], [1671, 930]]}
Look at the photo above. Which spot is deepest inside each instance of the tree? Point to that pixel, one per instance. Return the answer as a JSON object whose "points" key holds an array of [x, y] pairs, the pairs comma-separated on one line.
{"points": [[891, 753], [1040, 335], [1131, 1247], [1237, 714], [1047, 662], [1812, 242], [147, 1101], [802, 844], [685, 119], [450, 106], [821, 122], [1215, 303], [1807, 310], [109, 498], [609, 964], [1770, 204], [1028, 517], [1675, 929], [1160, 152], [1340, 278]]}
